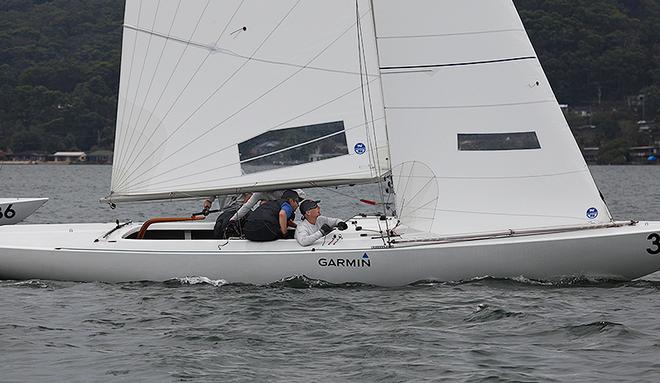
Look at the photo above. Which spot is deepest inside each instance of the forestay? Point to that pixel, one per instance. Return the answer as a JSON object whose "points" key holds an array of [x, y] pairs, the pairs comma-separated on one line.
{"points": [[491, 149], [227, 96]]}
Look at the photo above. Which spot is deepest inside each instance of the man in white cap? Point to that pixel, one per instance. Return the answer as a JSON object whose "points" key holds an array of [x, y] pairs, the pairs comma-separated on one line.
{"points": [[315, 226]]}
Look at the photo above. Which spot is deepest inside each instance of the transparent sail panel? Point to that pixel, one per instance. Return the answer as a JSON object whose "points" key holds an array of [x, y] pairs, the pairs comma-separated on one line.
{"points": [[498, 141], [293, 146]]}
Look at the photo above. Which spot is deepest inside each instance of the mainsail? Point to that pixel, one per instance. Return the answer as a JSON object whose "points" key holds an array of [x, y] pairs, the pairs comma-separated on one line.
{"points": [[491, 149], [220, 97]]}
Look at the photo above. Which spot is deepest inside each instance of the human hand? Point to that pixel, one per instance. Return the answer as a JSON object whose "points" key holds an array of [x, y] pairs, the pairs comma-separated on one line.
{"points": [[206, 207], [326, 229]]}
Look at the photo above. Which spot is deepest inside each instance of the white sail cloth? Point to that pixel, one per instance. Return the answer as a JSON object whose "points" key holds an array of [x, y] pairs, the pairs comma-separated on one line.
{"points": [[463, 72], [227, 96], [201, 77]]}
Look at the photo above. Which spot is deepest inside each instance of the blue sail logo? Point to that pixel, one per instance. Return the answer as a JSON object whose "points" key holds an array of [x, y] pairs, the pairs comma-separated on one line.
{"points": [[360, 148], [592, 213]]}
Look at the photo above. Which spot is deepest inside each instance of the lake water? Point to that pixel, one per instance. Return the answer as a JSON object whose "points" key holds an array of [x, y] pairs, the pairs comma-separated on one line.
{"points": [[200, 331]]}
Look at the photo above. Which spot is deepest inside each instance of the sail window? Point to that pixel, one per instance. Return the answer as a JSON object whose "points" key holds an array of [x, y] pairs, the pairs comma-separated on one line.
{"points": [[293, 146], [498, 141]]}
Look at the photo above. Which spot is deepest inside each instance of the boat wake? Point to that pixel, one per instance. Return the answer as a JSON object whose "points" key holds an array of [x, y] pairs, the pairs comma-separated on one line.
{"points": [[304, 282], [576, 281], [30, 283], [196, 281]]}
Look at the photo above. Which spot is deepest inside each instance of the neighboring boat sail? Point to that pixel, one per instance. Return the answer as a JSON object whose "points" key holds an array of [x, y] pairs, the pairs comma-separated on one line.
{"points": [[14, 210], [443, 102]]}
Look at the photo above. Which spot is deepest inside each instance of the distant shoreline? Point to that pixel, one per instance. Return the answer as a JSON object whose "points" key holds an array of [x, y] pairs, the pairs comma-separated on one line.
{"points": [[49, 163]]}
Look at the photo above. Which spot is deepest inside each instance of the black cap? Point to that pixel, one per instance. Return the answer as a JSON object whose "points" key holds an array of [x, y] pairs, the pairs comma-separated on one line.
{"points": [[308, 205], [290, 194]]}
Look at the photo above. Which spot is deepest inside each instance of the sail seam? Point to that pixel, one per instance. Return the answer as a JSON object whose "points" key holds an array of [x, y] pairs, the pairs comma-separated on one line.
{"points": [[270, 34], [450, 34], [467, 63], [120, 173], [121, 134], [168, 82], [468, 106], [137, 89], [507, 177], [244, 107], [236, 113], [577, 218]]}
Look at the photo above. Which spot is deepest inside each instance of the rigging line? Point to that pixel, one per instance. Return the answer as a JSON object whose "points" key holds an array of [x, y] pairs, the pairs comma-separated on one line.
{"points": [[174, 70], [136, 144], [137, 88], [468, 63], [130, 75], [361, 65], [451, 34], [405, 189], [270, 34], [420, 190], [371, 107], [233, 144], [334, 190], [469, 106], [238, 111], [214, 49], [382, 92], [206, 170], [420, 207]]}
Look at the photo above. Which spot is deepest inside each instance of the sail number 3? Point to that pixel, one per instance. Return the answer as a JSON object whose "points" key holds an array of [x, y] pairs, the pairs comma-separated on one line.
{"points": [[655, 242], [9, 213]]}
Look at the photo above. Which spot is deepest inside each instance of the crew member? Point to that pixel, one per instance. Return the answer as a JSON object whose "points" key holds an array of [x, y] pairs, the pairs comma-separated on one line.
{"points": [[315, 226], [271, 220]]}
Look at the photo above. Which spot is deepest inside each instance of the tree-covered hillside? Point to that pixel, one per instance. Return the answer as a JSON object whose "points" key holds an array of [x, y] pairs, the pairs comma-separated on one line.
{"points": [[59, 72], [59, 65]]}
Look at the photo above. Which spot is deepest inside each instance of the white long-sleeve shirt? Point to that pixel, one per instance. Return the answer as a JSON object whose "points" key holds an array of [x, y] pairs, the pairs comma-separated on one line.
{"points": [[307, 233]]}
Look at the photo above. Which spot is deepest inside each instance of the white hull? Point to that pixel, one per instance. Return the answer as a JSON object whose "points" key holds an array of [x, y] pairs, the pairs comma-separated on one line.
{"points": [[14, 210], [79, 253]]}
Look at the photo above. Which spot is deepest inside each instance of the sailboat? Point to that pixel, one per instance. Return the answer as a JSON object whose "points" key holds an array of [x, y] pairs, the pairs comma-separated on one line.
{"points": [[443, 104], [14, 210]]}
